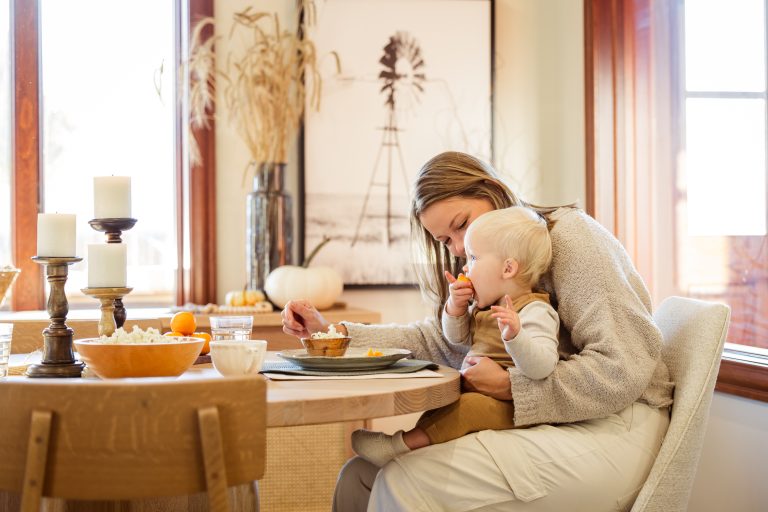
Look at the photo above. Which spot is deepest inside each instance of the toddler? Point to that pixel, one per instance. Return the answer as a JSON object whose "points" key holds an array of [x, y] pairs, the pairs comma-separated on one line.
{"points": [[507, 251]]}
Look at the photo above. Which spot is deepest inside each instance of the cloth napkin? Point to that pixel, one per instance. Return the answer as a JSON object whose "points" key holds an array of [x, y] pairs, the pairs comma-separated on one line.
{"points": [[403, 366]]}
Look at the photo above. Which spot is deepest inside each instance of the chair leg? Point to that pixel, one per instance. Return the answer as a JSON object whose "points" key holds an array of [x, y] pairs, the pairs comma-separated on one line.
{"points": [[213, 458], [37, 457]]}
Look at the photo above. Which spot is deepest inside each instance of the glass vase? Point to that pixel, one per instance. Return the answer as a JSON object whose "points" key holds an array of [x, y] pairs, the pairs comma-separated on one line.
{"points": [[269, 231]]}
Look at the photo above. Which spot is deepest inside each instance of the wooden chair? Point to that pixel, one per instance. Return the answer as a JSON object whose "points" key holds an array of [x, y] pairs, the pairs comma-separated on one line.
{"points": [[694, 333], [125, 440]]}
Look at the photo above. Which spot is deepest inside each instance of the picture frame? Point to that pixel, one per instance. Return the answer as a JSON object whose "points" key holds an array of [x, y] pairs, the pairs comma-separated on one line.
{"points": [[411, 86]]}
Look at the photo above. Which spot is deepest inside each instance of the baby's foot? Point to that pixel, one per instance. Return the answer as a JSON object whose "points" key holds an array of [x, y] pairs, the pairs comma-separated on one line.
{"points": [[377, 447]]}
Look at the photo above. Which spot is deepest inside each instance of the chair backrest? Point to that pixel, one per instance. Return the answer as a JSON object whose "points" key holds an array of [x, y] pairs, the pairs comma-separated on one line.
{"points": [[132, 439], [694, 333]]}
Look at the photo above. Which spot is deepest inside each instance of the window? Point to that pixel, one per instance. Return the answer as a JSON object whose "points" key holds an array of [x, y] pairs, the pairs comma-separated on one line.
{"points": [[5, 134], [676, 157], [109, 110], [720, 239], [103, 77]]}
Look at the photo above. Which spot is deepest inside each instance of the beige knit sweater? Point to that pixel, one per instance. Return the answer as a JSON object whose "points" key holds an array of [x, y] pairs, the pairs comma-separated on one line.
{"points": [[612, 347]]}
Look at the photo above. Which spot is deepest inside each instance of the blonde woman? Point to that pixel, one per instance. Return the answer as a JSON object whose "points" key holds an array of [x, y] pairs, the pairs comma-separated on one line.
{"points": [[508, 250], [595, 424]]}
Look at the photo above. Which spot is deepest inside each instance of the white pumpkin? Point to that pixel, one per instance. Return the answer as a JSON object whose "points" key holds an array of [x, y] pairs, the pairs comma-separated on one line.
{"points": [[321, 286]]}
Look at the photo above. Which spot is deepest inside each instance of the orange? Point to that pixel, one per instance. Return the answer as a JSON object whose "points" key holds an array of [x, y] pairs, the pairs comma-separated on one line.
{"points": [[173, 333], [462, 277], [183, 322], [207, 338]]}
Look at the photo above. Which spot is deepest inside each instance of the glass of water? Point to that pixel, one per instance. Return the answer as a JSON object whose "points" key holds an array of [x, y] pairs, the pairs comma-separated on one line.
{"points": [[6, 330], [231, 327]]}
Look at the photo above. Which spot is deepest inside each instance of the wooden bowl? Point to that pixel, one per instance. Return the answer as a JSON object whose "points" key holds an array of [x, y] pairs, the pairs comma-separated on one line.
{"points": [[329, 347], [115, 360]]}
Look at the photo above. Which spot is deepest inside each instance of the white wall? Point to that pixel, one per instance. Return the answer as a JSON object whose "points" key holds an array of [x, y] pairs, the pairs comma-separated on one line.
{"points": [[734, 460], [538, 135], [539, 142]]}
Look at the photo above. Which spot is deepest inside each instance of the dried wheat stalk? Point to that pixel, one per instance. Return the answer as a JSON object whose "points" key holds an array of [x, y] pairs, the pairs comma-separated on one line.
{"points": [[263, 82]]}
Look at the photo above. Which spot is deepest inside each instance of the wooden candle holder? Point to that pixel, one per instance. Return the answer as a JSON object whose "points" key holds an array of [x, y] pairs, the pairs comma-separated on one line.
{"points": [[113, 228], [108, 297], [58, 357]]}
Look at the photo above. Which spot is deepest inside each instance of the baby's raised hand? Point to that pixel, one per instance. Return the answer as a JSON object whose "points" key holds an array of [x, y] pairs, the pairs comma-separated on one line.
{"points": [[461, 291], [507, 318]]}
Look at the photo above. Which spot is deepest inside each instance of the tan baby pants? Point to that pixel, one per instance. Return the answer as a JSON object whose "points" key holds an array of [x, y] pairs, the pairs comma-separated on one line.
{"points": [[472, 412]]}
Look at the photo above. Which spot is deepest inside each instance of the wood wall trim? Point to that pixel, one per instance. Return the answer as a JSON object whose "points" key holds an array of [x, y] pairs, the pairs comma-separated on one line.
{"points": [[743, 379], [619, 108], [200, 287], [25, 117]]}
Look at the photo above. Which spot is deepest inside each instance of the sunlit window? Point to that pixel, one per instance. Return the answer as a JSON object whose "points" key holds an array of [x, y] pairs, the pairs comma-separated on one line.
{"points": [[5, 135], [108, 103], [722, 248]]}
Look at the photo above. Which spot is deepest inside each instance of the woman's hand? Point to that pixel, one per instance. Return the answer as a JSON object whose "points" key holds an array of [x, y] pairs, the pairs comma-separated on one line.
{"points": [[461, 292], [507, 318], [301, 319], [487, 377]]}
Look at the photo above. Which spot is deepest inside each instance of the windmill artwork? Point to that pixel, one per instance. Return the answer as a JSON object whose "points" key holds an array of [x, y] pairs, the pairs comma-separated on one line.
{"points": [[410, 88]]}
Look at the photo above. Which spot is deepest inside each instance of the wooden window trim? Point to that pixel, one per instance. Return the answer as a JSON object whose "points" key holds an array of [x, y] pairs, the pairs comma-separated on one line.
{"points": [[747, 380], [198, 186], [618, 109], [25, 148], [200, 287]]}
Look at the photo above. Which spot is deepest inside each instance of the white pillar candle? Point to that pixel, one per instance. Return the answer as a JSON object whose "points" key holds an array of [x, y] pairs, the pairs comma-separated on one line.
{"points": [[107, 265], [112, 197], [56, 234]]}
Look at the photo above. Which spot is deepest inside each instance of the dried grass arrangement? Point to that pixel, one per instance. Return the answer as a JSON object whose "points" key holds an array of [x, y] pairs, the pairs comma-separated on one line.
{"points": [[264, 81]]}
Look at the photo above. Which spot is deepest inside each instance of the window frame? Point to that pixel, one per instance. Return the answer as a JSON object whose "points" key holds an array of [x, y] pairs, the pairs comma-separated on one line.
{"points": [[195, 185], [619, 38]]}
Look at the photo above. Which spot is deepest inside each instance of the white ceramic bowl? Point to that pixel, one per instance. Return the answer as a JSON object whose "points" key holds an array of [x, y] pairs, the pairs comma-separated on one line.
{"points": [[232, 357]]}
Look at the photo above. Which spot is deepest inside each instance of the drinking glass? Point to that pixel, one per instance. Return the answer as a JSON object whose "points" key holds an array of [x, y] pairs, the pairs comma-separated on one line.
{"points": [[231, 327], [6, 330]]}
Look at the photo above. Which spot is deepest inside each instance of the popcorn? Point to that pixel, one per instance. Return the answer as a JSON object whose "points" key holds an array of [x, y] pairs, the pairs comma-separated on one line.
{"points": [[151, 335], [332, 333]]}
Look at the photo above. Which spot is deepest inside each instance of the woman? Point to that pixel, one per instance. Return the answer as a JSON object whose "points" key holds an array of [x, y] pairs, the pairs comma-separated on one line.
{"points": [[596, 423]]}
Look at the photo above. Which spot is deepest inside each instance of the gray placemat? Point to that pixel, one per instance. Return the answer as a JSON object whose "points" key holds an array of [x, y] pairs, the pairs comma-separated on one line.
{"points": [[402, 366]]}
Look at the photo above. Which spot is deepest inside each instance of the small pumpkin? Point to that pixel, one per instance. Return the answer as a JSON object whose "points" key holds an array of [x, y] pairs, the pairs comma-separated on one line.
{"points": [[321, 286]]}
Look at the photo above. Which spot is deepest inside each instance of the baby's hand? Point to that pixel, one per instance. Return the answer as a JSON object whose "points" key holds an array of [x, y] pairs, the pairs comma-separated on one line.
{"points": [[461, 292], [507, 318]]}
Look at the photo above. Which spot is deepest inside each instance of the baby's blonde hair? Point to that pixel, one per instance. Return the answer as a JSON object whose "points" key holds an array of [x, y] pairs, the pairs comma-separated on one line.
{"points": [[519, 233]]}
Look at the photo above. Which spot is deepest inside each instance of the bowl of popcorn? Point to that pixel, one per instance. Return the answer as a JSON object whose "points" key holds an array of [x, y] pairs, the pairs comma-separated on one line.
{"points": [[139, 353], [328, 344]]}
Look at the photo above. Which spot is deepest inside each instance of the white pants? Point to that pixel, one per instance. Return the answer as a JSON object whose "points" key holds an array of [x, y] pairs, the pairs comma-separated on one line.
{"points": [[591, 466]]}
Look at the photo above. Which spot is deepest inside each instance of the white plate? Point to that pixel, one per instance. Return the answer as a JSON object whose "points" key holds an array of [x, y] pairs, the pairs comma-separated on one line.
{"points": [[353, 359]]}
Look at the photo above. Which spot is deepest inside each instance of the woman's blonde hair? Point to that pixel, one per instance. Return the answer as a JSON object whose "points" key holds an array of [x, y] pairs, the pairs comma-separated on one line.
{"points": [[519, 233], [449, 175]]}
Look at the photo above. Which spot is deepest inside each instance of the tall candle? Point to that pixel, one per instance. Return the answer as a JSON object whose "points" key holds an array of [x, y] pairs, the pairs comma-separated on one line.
{"points": [[112, 197], [56, 234], [107, 265]]}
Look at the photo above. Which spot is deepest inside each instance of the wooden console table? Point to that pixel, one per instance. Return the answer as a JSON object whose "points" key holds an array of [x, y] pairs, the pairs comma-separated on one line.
{"points": [[29, 325]]}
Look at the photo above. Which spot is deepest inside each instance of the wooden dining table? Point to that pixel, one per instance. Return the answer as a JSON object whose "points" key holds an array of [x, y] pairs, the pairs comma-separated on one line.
{"points": [[294, 403]]}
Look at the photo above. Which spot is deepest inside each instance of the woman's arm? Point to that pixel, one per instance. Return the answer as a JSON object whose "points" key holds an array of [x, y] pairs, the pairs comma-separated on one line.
{"points": [[423, 338]]}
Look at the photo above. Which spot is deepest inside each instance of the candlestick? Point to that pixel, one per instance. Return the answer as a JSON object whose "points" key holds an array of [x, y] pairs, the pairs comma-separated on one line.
{"points": [[112, 197], [107, 265], [58, 357], [108, 298], [113, 227], [56, 235]]}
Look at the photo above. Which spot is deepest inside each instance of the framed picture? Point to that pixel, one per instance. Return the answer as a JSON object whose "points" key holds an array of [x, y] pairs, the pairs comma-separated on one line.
{"points": [[416, 80]]}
